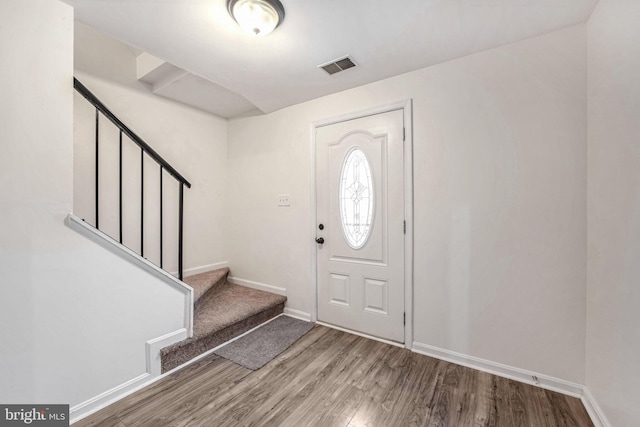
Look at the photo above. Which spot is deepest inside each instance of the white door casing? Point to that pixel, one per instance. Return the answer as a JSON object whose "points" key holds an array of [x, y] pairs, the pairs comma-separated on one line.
{"points": [[360, 268]]}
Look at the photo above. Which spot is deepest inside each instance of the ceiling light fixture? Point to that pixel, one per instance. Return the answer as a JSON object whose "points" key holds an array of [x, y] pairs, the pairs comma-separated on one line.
{"points": [[258, 17]]}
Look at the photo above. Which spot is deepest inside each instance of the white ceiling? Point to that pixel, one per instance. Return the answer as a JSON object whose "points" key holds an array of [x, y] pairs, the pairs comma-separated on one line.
{"points": [[384, 38], [165, 79]]}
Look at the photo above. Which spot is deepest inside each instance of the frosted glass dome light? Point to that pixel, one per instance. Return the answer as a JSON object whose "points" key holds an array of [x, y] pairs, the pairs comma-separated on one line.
{"points": [[258, 17]]}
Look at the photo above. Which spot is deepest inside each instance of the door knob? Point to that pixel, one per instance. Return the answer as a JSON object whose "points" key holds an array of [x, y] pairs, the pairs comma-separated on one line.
{"points": [[320, 240]]}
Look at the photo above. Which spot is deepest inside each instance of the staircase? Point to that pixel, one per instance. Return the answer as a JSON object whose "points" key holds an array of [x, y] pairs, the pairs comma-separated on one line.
{"points": [[222, 311]]}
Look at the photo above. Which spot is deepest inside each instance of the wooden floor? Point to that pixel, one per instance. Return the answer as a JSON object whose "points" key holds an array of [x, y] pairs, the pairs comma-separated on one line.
{"points": [[331, 378]]}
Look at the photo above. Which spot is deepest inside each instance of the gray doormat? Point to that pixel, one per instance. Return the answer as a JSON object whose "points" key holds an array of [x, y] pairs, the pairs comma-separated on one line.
{"points": [[259, 347]]}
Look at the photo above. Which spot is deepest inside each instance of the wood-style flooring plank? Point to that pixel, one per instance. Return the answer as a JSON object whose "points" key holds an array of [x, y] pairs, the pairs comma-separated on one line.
{"points": [[257, 397], [387, 388], [239, 396], [334, 409], [247, 394], [568, 411], [332, 378], [156, 394], [111, 421], [184, 403], [318, 381]]}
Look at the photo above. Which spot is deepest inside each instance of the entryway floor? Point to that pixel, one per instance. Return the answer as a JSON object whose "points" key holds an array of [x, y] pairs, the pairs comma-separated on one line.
{"points": [[332, 378]]}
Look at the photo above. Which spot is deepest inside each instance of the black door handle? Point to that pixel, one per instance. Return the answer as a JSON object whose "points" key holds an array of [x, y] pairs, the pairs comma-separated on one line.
{"points": [[320, 240]]}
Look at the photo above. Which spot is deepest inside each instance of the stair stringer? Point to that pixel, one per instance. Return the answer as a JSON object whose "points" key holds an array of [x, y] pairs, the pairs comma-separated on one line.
{"points": [[151, 347], [127, 254]]}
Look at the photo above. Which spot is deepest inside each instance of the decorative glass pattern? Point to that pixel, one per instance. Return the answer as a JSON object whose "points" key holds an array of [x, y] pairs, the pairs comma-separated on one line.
{"points": [[356, 198]]}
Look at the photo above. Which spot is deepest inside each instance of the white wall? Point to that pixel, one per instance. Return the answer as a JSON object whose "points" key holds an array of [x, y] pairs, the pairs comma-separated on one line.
{"points": [[613, 339], [193, 141], [500, 195], [66, 304]]}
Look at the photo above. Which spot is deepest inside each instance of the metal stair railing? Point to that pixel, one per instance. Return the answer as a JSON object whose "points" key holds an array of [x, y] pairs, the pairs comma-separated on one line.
{"points": [[145, 149]]}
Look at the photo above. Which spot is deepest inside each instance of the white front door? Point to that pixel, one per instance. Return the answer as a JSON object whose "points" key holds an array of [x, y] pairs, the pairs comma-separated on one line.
{"points": [[360, 225]]}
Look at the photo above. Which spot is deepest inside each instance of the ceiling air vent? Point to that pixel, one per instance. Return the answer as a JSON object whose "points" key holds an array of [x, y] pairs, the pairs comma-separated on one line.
{"points": [[338, 65]]}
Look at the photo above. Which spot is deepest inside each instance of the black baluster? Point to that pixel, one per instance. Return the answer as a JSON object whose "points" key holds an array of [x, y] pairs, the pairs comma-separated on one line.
{"points": [[180, 231], [97, 165], [142, 203], [120, 185], [161, 169]]}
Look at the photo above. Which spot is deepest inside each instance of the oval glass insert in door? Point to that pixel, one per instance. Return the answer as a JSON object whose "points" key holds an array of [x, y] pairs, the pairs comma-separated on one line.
{"points": [[356, 198]]}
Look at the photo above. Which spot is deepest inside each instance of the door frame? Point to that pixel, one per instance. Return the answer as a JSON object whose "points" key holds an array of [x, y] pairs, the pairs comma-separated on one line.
{"points": [[407, 112]]}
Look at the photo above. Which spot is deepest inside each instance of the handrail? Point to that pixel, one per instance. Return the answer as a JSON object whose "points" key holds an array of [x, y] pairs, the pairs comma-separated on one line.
{"points": [[144, 149], [82, 90]]}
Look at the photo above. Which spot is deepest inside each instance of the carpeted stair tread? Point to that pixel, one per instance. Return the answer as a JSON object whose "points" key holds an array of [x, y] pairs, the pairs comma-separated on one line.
{"points": [[231, 304], [202, 282], [223, 313]]}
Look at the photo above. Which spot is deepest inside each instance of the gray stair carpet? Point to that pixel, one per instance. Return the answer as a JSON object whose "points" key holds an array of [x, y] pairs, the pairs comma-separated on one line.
{"points": [[223, 311], [205, 284]]}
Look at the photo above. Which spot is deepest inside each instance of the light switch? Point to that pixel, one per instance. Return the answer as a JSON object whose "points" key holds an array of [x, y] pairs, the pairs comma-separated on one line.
{"points": [[284, 200]]}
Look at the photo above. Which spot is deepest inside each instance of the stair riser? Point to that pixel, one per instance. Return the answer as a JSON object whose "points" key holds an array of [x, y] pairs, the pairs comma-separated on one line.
{"points": [[209, 294], [181, 353], [218, 282]]}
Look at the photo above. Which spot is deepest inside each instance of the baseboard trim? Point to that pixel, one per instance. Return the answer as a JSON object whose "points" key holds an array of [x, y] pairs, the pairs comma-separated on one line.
{"points": [[259, 286], [153, 366], [109, 397], [153, 347], [205, 268], [298, 314], [517, 374], [105, 399], [152, 375], [593, 409]]}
